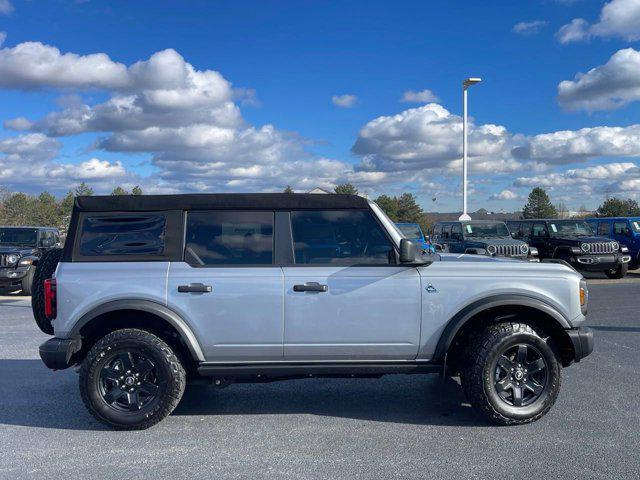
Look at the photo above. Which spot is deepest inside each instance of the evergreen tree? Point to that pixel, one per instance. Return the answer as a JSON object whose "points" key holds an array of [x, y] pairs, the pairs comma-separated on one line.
{"points": [[288, 189], [408, 209], [539, 205], [119, 191], [389, 205], [83, 190], [136, 190], [46, 211], [615, 207], [346, 188]]}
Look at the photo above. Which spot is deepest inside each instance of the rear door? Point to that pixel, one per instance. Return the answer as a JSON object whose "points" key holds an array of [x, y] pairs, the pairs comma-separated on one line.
{"points": [[344, 297], [228, 286]]}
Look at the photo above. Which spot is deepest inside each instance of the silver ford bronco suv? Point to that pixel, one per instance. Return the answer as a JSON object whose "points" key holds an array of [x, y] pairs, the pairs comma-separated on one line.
{"points": [[151, 292]]}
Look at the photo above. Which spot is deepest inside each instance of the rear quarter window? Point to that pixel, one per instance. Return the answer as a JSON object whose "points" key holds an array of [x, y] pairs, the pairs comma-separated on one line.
{"points": [[129, 234]]}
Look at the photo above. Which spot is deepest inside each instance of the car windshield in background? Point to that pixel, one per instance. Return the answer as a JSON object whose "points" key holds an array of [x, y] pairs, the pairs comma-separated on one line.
{"points": [[18, 236], [569, 227], [410, 231], [635, 226], [497, 229]]}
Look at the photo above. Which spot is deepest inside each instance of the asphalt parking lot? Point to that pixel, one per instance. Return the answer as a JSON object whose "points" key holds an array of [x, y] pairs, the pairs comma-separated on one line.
{"points": [[394, 427]]}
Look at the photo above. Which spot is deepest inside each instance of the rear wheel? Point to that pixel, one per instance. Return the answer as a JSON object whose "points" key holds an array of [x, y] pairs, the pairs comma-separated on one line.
{"points": [[512, 374], [619, 272], [131, 379], [44, 269]]}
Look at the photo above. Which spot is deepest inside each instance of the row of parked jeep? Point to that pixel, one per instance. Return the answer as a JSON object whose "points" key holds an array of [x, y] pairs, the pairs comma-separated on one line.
{"points": [[609, 245]]}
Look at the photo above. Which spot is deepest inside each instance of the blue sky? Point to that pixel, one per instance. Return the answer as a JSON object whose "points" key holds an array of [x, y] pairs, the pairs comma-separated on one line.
{"points": [[280, 63]]}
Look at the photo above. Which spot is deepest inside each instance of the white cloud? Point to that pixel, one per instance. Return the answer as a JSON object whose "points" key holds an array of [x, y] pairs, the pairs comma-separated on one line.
{"points": [[618, 18], [570, 146], [424, 96], [6, 8], [529, 28], [616, 178], [3, 37], [344, 101], [605, 87], [505, 195], [424, 137]]}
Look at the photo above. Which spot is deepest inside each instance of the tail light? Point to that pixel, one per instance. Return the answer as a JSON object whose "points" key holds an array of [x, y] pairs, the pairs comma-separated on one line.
{"points": [[50, 298]]}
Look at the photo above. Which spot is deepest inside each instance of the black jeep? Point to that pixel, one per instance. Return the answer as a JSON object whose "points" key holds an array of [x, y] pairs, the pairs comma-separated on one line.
{"points": [[574, 242], [480, 237], [20, 250]]}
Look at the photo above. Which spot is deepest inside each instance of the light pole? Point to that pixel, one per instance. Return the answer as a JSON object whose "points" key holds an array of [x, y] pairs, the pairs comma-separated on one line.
{"points": [[465, 86]]}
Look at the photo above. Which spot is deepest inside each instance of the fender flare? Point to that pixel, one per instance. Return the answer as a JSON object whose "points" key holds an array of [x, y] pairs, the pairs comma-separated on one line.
{"points": [[463, 316], [148, 306]]}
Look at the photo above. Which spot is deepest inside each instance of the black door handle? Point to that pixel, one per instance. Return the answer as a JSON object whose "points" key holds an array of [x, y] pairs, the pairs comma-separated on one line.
{"points": [[310, 287], [195, 288]]}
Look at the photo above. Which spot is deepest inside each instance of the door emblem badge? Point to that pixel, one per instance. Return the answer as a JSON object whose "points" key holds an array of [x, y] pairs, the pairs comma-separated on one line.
{"points": [[431, 289]]}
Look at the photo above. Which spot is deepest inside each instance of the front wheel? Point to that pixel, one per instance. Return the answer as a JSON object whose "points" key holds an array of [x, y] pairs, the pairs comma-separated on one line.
{"points": [[619, 272], [131, 379], [512, 374], [27, 283]]}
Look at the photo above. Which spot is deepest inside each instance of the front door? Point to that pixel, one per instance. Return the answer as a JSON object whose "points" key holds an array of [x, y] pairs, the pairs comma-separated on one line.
{"points": [[344, 298], [228, 288]]}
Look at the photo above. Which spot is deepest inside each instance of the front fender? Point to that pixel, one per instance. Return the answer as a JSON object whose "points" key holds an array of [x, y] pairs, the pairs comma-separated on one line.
{"points": [[463, 316]]}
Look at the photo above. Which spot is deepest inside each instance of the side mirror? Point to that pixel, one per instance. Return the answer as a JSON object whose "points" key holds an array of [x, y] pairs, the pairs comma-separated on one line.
{"points": [[408, 251], [514, 234]]}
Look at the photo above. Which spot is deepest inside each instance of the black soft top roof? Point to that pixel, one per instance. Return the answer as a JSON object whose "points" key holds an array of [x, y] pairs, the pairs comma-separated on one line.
{"points": [[219, 201]]}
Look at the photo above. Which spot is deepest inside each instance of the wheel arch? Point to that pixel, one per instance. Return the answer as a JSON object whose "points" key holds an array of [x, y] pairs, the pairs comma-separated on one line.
{"points": [[150, 309], [539, 312]]}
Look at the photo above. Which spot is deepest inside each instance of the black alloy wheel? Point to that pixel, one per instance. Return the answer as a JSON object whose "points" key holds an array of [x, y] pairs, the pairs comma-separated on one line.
{"points": [[128, 381], [520, 375]]}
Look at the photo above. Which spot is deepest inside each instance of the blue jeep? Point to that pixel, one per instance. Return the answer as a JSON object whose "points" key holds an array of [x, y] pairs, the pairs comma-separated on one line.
{"points": [[413, 232], [625, 230]]}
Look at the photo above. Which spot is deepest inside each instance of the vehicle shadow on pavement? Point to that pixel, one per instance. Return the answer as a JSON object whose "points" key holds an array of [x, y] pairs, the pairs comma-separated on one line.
{"points": [[34, 396], [410, 399]]}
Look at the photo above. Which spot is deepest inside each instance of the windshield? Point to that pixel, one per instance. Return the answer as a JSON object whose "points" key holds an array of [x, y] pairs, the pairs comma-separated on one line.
{"points": [[497, 229], [574, 228], [410, 231], [18, 236]]}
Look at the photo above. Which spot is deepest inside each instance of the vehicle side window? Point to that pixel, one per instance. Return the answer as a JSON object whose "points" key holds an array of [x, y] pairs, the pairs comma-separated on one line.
{"points": [[445, 231], [229, 238], [621, 228], [456, 231], [603, 229], [122, 235], [339, 237], [539, 230]]}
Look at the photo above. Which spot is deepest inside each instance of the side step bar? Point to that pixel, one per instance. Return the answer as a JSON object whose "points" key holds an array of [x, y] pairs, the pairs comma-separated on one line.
{"points": [[276, 370]]}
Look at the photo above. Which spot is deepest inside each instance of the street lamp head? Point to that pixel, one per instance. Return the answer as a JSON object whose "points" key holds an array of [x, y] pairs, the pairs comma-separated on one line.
{"points": [[471, 81]]}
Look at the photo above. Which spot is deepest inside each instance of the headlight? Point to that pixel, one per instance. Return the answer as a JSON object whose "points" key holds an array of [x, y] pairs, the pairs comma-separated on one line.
{"points": [[615, 246], [524, 248], [492, 249], [533, 251], [585, 247], [12, 258]]}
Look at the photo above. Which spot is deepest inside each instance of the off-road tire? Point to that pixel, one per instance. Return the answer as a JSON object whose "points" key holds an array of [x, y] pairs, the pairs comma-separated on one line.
{"points": [[171, 374], [619, 272], [44, 269], [27, 282], [477, 376]]}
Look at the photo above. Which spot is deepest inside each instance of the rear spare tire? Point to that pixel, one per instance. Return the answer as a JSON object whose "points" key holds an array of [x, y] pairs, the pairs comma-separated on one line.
{"points": [[44, 270]]}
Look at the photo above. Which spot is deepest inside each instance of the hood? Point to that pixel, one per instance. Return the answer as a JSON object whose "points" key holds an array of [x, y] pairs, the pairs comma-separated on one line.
{"points": [[4, 249], [495, 241], [470, 257], [579, 240]]}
